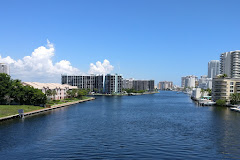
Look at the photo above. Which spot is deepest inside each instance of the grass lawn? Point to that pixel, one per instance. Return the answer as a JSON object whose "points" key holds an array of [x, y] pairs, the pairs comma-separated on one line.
{"points": [[7, 110]]}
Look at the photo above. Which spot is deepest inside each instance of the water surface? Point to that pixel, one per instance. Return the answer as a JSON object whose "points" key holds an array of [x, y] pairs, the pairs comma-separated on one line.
{"points": [[159, 126]]}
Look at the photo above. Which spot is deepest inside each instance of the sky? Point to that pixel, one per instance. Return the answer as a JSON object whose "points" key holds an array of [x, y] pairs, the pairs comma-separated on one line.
{"points": [[141, 39]]}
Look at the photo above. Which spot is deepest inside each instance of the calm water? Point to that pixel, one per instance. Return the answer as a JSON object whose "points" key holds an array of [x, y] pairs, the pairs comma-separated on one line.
{"points": [[160, 126]]}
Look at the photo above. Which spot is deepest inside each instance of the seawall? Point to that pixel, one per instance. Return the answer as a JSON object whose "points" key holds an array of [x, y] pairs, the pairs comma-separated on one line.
{"points": [[46, 109]]}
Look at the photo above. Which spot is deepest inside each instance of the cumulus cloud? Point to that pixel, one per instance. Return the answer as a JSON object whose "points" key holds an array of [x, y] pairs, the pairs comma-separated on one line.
{"points": [[101, 68], [39, 66]]}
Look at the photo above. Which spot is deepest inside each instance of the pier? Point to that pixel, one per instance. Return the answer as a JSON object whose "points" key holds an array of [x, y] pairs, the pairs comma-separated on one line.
{"points": [[46, 109]]}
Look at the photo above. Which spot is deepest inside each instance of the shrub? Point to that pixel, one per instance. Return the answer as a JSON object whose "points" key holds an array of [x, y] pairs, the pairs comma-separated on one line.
{"points": [[221, 102]]}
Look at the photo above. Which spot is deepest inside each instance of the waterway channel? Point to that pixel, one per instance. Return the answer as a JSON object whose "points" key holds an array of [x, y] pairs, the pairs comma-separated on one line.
{"points": [[165, 125]]}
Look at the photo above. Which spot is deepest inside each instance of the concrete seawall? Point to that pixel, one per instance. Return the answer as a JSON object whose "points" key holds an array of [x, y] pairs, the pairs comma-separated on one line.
{"points": [[46, 109]]}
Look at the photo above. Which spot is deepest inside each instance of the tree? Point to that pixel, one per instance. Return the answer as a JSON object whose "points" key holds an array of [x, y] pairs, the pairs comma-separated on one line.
{"points": [[5, 87], [209, 91], [95, 90], [17, 91], [223, 76], [82, 92], [8, 99], [74, 93], [14, 90], [68, 93], [38, 97], [221, 102], [54, 93], [234, 98], [49, 92]]}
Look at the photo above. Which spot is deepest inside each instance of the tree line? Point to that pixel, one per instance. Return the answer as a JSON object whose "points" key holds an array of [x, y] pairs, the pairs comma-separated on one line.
{"points": [[14, 92], [77, 93], [133, 91]]}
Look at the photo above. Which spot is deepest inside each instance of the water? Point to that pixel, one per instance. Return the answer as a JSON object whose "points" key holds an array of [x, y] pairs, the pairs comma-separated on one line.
{"points": [[159, 126]]}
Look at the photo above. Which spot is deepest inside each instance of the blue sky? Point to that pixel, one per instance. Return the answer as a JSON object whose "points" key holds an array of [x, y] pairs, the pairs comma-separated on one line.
{"points": [[143, 39]]}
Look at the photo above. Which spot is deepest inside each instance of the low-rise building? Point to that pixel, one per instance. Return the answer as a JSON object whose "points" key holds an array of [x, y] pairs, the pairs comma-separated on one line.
{"points": [[196, 93], [224, 87], [59, 88]]}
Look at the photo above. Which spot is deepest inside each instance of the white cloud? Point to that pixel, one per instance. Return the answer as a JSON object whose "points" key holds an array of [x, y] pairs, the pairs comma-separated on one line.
{"points": [[39, 66], [101, 68]]}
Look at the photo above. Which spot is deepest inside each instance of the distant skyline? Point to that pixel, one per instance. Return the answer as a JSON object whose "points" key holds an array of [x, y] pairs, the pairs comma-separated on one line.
{"points": [[160, 40]]}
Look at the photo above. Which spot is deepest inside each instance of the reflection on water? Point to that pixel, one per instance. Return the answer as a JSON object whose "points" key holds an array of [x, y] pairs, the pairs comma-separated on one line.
{"points": [[160, 126]]}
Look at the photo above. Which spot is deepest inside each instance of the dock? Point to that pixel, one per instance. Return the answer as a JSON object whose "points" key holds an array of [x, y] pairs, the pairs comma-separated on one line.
{"points": [[206, 103], [46, 109]]}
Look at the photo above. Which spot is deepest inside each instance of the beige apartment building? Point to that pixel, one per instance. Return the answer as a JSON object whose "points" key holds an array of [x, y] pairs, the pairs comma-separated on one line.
{"points": [[61, 89], [222, 88]]}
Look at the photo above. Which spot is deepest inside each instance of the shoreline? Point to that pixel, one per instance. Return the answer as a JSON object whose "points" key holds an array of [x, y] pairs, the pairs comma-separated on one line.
{"points": [[46, 109], [126, 94]]}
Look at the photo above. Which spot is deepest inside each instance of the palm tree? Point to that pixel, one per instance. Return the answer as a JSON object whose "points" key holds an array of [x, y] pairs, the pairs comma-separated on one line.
{"points": [[54, 93], [202, 91], [222, 76], [225, 75], [49, 92], [234, 98], [209, 91], [69, 93]]}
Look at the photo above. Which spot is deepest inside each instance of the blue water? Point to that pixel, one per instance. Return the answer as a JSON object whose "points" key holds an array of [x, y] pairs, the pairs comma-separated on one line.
{"points": [[166, 125]]}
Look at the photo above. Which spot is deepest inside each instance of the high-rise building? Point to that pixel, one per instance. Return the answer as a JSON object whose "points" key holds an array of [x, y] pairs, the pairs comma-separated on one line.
{"points": [[113, 83], [96, 83], [230, 64], [183, 79], [165, 85], [189, 81], [146, 85], [205, 82], [128, 83], [91, 82], [213, 68], [4, 68]]}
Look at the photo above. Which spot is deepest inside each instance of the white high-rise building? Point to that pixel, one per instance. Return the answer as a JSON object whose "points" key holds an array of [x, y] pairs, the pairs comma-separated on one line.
{"points": [[189, 81], [230, 64], [213, 68], [205, 82], [4, 68]]}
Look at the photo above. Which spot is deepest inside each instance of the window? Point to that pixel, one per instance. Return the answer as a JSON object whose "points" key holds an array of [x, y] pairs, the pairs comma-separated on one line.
{"points": [[231, 83], [231, 87], [231, 91]]}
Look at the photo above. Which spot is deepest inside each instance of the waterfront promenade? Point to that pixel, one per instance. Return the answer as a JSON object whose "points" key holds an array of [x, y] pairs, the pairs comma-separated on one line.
{"points": [[46, 109]]}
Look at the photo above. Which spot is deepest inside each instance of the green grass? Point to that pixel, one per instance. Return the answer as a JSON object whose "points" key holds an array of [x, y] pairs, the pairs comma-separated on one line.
{"points": [[7, 110]]}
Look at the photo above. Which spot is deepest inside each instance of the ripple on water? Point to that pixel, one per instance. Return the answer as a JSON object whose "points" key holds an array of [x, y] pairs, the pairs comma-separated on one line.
{"points": [[160, 126]]}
